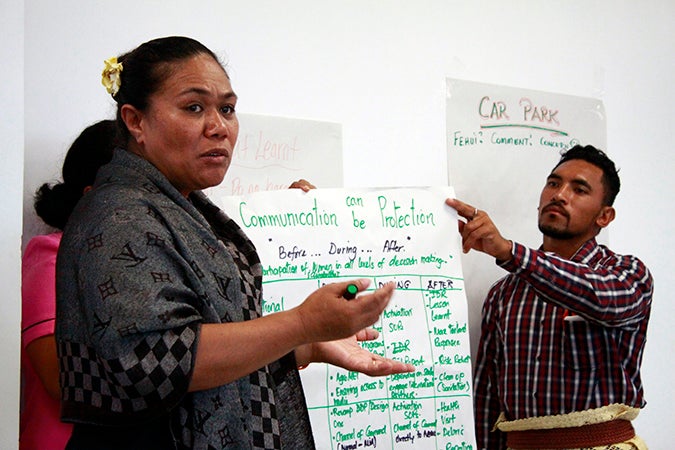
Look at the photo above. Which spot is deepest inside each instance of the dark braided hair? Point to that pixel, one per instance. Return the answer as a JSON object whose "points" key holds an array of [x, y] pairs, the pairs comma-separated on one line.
{"points": [[92, 149]]}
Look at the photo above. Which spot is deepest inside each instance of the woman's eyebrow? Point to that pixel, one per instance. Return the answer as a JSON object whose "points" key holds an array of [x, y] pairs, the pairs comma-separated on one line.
{"points": [[202, 91]]}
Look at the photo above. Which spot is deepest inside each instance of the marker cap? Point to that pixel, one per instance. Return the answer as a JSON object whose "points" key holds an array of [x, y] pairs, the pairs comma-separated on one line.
{"points": [[351, 291]]}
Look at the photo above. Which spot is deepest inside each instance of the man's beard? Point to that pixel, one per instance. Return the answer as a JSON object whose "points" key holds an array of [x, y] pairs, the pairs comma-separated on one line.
{"points": [[556, 233]]}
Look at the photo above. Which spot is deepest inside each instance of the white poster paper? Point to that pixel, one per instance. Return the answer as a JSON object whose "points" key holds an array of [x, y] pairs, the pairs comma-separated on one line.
{"points": [[407, 236], [272, 152], [502, 143]]}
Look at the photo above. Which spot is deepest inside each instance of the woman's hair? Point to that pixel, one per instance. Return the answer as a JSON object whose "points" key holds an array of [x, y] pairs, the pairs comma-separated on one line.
{"points": [[92, 149], [146, 67]]}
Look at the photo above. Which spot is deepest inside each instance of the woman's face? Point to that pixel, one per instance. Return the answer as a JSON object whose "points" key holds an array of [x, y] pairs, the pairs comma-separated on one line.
{"points": [[189, 129]]}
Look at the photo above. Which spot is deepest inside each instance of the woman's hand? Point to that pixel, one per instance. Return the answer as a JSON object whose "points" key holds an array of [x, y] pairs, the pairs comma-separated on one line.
{"points": [[334, 326], [326, 315], [229, 351], [349, 355], [302, 184]]}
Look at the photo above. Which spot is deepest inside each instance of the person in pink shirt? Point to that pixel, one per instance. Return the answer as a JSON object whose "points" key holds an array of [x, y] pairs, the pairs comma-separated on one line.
{"points": [[41, 427]]}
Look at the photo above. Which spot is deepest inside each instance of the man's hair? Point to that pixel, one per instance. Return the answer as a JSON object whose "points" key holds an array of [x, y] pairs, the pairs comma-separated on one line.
{"points": [[610, 175]]}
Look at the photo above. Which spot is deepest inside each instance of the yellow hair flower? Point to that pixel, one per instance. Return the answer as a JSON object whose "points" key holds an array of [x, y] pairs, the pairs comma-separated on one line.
{"points": [[110, 78]]}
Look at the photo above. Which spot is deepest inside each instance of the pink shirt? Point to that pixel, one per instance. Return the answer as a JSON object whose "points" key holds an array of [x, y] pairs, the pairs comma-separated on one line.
{"points": [[41, 427]]}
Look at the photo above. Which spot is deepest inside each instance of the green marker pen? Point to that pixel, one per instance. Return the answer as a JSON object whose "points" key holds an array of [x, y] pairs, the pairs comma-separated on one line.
{"points": [[351, 291]]}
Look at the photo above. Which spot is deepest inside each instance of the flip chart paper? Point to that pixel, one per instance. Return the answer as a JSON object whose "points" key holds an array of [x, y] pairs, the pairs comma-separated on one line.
{"points": [[502, 142], [407, 236], [272, 152]]}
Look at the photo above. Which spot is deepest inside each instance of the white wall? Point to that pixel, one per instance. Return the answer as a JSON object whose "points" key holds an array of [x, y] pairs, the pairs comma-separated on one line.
{"points": [[11, 184], [379, 69]]}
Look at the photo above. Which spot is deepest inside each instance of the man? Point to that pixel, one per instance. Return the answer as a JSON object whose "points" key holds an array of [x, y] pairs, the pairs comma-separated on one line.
{"points": [[563, 334]]}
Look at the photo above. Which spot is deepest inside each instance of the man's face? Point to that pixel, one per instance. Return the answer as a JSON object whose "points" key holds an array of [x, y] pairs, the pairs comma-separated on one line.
{"points": [[571, 203]]}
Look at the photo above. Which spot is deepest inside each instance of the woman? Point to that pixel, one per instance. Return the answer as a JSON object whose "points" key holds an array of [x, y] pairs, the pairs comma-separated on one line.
{"points": [[41, 426], [159, 329]]}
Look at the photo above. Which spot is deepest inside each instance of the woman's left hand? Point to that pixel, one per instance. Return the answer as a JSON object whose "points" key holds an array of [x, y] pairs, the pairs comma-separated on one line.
{"points": [[302, 184], [349, 355]]}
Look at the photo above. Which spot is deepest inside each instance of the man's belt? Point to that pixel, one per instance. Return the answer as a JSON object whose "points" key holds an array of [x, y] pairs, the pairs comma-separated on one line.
{"points": [[585, 436]]}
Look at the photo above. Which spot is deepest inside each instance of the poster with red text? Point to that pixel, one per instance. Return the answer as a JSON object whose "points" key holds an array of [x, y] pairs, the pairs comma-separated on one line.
{"points": [[502, 143]]}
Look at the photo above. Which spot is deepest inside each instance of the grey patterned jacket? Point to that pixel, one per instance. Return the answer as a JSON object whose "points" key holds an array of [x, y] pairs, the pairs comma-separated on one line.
{"points": [[140, 268]]}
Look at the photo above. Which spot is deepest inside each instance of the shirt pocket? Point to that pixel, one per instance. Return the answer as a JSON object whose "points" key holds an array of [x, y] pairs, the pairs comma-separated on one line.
{"points": [[580, 345]]}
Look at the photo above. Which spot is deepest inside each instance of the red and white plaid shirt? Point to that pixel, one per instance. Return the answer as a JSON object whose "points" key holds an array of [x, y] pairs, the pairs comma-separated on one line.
{"points": [[560, 336]]}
